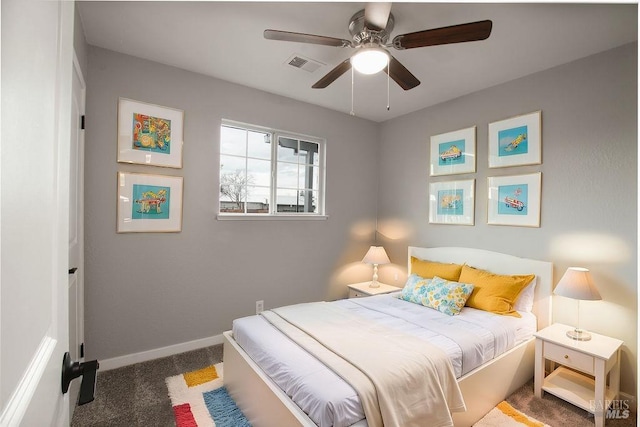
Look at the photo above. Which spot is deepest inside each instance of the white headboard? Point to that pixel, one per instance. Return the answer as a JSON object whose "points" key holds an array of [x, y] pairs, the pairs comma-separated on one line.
{"points": [[500, 264]]}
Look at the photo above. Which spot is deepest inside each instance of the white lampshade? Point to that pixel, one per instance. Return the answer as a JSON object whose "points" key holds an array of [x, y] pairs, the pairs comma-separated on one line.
{"points": [[376, 255], [577, 284], [370, 60]]}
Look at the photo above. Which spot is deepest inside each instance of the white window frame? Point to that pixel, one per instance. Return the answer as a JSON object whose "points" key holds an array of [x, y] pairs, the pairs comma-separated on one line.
{"points": [[273, 213]]}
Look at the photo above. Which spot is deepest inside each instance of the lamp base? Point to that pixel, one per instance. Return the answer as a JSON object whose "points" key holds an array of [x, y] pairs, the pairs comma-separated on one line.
{"points": [[374, 284], [579, 335]]}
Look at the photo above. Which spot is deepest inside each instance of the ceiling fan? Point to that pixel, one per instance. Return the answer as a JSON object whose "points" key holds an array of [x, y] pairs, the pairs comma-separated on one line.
{"points": [[370, 29]]}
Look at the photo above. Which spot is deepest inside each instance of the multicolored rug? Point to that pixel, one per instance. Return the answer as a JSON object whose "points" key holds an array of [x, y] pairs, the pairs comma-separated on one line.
{"points": [[505, 415], [199, 399]]}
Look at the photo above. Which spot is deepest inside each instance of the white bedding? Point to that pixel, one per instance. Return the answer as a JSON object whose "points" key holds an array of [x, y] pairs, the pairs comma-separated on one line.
{"points": [[328, 399]]}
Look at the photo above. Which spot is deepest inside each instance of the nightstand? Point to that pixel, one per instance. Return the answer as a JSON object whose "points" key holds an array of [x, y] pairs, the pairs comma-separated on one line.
{"points": [[363, 289], [598, 358]]}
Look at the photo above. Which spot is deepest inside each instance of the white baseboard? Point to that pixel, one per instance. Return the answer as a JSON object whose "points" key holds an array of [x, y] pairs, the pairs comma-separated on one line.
{"points": [[144, 356]]}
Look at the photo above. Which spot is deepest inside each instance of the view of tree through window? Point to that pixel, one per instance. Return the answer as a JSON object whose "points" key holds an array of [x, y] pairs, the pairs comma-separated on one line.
{"points": [[259, 177]]}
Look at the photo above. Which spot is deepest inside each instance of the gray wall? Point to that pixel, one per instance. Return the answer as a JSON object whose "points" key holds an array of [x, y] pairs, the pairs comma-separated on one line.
{"points": [[589, 184], [145, 291]]}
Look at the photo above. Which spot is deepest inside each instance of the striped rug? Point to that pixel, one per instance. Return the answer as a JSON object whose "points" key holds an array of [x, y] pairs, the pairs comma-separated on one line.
{"points": [[199, 399], [505, 415]]}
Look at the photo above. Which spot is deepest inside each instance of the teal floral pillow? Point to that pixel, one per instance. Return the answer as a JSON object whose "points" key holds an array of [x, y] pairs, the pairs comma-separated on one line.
{"points": [[445, 296], [414, 289]]}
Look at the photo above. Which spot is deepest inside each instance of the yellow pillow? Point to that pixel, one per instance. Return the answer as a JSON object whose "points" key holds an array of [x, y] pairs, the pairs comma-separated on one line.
{"points": [[494, 292], [429, 269]]}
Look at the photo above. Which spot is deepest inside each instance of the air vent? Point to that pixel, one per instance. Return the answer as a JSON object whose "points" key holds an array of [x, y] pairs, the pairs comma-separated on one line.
{"points": [[303, 63], [298, 62]]}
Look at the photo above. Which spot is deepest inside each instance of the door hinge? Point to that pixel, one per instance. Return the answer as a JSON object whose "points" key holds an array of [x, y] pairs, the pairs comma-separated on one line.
{"points": [[82, 121], [82, 350]]}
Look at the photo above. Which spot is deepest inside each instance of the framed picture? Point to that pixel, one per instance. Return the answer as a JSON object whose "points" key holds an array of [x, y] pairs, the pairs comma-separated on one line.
{"points": [[514, 200], [149, 134], [149, 203], [452, 202], [453, 152], [516, 141]]}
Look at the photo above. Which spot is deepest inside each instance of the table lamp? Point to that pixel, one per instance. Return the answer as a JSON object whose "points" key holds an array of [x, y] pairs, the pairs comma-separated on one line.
{"points": [[376, 255], [578, 284]]}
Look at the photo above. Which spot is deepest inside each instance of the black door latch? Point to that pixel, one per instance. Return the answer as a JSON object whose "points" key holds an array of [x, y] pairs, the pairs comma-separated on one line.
{"points": [[72, 370]]}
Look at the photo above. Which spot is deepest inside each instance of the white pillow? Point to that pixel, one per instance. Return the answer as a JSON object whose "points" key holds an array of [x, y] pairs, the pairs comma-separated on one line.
{"points": [[525, 299]]}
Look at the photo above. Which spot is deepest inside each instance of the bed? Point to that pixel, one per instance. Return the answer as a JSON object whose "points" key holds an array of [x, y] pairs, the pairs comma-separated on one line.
{"points": [[266, 404]]}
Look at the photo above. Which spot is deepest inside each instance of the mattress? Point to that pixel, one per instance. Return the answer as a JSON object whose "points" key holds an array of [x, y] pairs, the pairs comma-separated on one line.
{"points": [[469, 339]]}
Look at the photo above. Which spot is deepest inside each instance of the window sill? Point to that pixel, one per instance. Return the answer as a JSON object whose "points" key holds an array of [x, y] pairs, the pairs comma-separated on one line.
{"points": [[260, 217]]}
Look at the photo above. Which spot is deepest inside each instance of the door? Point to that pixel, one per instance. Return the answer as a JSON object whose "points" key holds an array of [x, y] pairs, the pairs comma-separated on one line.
{"points": [[37, 58], [76, 228]]}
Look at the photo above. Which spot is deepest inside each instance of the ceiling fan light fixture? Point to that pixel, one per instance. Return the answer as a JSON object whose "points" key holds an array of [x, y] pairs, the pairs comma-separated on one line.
{"points": [[370, 60]]}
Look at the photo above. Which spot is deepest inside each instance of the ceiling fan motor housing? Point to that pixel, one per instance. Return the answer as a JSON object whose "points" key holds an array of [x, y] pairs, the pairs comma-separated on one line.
{"points": [[361, 34]]}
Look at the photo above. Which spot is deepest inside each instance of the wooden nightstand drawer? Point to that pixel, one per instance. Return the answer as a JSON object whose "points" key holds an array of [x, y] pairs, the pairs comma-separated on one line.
{"points": [[356, 294], [363, 289], [569, 357]]}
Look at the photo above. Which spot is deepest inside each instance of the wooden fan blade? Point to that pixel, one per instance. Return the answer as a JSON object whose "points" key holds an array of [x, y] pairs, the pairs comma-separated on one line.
{"points": [[332, 75], [469, 32], [401, 75], [288, 36], [376, 15]]}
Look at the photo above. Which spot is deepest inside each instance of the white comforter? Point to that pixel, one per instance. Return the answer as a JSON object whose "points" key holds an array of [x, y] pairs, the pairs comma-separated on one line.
{"points": [[328, 399], [420, 386], [470, 339]]}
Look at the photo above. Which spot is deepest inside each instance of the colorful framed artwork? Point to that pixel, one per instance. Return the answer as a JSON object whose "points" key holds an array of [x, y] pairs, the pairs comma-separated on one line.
{"points": [[149, 203], [149, 134], [452, 202], [453, 152], [514, 200], [516, 141]]}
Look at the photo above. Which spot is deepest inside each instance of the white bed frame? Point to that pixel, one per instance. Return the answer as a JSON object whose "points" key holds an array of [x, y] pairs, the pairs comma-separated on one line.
{"points": [[266, 405]]}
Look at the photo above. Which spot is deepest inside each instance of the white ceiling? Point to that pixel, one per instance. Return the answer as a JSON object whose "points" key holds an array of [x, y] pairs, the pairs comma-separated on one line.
{"points": [[224, 40]]}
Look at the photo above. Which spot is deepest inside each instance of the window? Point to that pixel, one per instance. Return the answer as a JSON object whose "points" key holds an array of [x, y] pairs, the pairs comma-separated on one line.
{"points": [[264, 172]]}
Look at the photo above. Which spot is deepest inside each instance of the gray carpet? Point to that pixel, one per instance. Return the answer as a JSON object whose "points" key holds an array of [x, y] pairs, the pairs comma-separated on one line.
{"points": [[556, 412], [136, 395]]}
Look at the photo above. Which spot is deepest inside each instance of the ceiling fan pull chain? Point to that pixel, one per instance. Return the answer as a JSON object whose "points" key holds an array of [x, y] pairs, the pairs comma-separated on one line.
{"points": [[352, 112], [388, 78]]}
